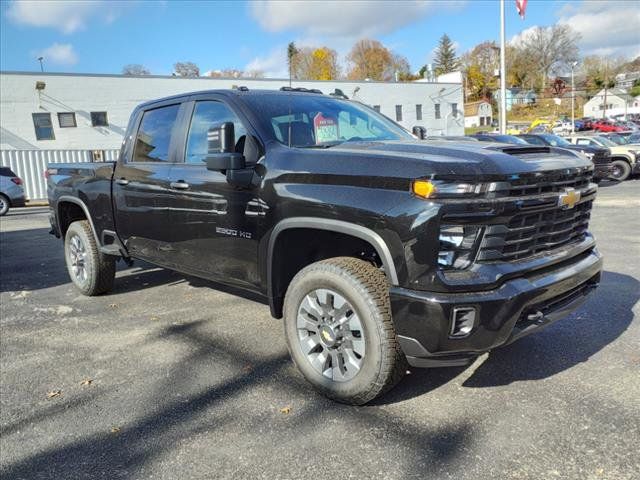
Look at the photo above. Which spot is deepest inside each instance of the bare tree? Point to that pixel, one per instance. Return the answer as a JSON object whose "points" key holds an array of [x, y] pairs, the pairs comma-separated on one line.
{"points": [[551, 48], [186, 69], [135, 69]]}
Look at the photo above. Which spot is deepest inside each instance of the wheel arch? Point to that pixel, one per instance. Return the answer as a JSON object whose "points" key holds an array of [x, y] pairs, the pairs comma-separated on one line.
{"points": [[275, 292], [67, 212]]}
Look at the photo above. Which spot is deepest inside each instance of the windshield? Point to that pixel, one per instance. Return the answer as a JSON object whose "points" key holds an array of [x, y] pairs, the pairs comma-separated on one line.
{"points": [[556, 141], [510, 139], [617, 139], [606, 142], [314, 121]]}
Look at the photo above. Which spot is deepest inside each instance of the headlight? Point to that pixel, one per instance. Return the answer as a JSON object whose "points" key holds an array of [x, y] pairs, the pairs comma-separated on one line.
{"points": [[457, 245], [444, 189], [589, 155]]}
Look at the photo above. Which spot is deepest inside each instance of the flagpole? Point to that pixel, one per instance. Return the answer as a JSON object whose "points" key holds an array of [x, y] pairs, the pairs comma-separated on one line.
{"points": [[503, 74]]}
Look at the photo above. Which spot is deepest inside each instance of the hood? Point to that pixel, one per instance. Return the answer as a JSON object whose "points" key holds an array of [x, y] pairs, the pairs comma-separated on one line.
{"points": [[421, 158]]}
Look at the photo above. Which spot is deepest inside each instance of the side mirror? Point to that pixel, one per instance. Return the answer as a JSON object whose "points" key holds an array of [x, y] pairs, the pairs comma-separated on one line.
{"points": [[221, 146], [419, 132]]}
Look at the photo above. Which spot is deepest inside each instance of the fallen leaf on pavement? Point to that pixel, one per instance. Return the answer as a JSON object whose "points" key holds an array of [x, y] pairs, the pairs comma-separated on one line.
{"points": [[113, 305], [153, 318], [54, 393], [115, 429], [285, 410], [86, 381]]}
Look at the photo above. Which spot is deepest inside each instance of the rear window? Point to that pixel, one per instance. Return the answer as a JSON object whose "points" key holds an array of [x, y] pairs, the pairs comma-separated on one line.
{"points": [[6, 172], [154, 134]]}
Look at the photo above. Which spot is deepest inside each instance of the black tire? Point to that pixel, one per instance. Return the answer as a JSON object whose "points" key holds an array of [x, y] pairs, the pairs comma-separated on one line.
{"points": [[366, 289], [99, 269], [5, 204], [620, 170]]}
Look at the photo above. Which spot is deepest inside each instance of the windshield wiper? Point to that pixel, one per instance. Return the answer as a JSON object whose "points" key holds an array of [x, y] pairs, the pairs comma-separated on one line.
{"points": [[321, 145]]}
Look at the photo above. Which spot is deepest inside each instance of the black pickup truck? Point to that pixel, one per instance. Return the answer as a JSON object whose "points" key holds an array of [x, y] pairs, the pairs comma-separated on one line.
{"points": [[377, 248]]}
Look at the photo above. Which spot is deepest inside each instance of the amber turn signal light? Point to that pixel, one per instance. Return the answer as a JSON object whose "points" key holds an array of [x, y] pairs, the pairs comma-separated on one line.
{"points": [[423, 188]]}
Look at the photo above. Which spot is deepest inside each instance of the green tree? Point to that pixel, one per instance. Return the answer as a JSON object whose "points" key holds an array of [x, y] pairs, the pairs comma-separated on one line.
{"points": [[445, 60]]}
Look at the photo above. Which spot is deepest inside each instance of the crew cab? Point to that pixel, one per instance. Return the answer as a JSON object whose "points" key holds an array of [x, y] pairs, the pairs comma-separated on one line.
{"points": [[625, 159], [376, 248]]}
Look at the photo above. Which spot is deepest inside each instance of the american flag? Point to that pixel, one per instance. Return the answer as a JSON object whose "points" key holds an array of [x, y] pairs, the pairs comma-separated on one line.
{"points": [[521, 6]]}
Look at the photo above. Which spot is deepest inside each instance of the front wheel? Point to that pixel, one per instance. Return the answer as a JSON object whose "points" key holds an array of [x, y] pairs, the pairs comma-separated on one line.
{"points": [[339, 330], [91, 271], [620, 170]]}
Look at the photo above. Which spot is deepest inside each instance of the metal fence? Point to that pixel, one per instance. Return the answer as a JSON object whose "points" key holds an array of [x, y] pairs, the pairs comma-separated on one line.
{"points": [[30, 165]]}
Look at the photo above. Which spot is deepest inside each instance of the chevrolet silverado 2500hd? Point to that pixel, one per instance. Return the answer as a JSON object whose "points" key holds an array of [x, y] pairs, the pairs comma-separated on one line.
{"points": [[377, 249]]}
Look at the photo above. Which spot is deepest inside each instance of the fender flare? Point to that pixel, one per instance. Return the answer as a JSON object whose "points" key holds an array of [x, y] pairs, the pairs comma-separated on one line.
{"points": [[85, 209], [331, 225]]}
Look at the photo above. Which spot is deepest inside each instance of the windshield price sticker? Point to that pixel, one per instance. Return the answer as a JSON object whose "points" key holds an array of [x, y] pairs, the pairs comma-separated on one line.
{"points": [[326, 128]]}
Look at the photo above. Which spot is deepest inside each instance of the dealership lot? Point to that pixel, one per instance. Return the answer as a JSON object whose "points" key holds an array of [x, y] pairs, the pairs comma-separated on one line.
{"points": [[169, 377]]}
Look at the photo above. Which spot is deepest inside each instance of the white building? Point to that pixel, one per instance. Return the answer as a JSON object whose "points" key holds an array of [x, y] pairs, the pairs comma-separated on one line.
{"points": [[616, 101], [91, 111], [478, 114]]}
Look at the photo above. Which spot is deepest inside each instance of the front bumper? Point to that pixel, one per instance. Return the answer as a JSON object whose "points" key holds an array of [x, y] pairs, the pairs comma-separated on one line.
{"points": [[635, 168], [520, 306]]}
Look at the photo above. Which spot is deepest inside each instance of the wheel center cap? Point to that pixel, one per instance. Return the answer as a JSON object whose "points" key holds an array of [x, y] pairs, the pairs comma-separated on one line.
{"points": [[328, 336]]}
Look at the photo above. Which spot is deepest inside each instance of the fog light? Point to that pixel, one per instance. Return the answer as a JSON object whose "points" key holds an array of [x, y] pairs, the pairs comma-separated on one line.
{"points": [[463, 320]]}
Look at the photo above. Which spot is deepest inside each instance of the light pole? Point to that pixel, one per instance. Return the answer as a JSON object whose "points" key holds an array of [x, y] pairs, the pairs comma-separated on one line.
{"points": [[573, 100], [40, 59], [503, 74]]}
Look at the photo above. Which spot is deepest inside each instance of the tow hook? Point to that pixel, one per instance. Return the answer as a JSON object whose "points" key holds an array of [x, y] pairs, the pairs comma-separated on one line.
{"points": [[537, 317]]}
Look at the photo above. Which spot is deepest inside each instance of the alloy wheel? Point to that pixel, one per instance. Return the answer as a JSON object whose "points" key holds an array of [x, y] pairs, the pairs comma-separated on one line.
{"points": [[331, 335], [78, 258]]}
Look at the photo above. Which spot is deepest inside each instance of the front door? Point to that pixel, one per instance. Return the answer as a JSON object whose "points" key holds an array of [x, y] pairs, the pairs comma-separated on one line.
{"points": [[216, 224], [142, 191]]}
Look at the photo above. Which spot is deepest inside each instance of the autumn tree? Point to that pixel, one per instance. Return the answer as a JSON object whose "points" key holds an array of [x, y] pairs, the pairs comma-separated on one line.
{"points": [[598, 72], [369, 59], [445, 59], [186, 69], [135, 69], [551, 49], [522, 69], [480, 65]]}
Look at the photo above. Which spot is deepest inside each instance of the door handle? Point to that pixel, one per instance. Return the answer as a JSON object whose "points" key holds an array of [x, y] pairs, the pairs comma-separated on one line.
{"points": [[122, 181], [179, 185]]}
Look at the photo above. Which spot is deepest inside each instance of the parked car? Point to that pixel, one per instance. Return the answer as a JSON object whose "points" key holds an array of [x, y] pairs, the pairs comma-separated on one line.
{"points": [[619, 138], [496, 137], [452, 138], [634, 138], [560, 127], [600, 156], [376, 248], [624, 158], [606, 126], [11, 191]]}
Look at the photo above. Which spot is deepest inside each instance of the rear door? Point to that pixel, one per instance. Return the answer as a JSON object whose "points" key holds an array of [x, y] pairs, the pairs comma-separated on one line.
{"points": [[216, 225], [141, 188]]}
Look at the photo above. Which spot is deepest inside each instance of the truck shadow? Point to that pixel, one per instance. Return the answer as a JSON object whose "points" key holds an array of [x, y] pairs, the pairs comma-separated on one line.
{"points": [[567, 343]]}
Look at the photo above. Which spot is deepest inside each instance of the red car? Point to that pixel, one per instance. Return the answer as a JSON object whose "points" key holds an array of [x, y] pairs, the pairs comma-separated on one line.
{"points": [[606, 126]]}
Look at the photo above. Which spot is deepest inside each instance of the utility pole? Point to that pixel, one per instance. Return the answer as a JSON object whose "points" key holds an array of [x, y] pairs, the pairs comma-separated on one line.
{"points": [[606, 84], [503, 74]]}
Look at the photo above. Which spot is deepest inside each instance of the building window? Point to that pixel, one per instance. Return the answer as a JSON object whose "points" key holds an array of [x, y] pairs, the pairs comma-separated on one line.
{"points": [[43, 126], [418, 112], [437, 105], [376, 108], [67, 119], [398, 113], [454, 110], [99, 119], [482, 121]]}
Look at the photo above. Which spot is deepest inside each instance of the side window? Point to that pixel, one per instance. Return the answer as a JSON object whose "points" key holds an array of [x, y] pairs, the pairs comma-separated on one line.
{"points": [[154, 135], [43, 126], [206, 114]]}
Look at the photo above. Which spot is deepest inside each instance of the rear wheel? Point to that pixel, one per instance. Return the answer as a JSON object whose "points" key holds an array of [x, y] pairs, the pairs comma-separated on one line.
{"points": [[620, 170], [339, 330], [91, 271], [4, 205]]}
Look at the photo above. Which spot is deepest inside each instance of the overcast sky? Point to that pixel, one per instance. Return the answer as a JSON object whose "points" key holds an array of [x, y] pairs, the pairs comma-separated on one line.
{"points": [[102, 36]]}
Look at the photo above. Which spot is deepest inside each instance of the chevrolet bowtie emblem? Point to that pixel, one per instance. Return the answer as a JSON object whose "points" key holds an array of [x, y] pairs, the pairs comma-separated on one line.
{"points": [[568, 198]]}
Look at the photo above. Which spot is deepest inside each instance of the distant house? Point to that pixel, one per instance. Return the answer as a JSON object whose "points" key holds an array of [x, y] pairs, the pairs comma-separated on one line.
{"points": [[478, 114], [624, 81], [615, 99], [517, 96]]}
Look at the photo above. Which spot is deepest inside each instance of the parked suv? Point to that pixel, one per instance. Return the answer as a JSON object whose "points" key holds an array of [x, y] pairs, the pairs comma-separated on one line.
{"points": [[625, 159], [11, 191], [377, 249]]}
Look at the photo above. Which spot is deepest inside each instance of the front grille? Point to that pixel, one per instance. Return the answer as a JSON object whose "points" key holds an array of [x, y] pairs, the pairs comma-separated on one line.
{"points": [[538, 224], [601, 158], [549, 183]]}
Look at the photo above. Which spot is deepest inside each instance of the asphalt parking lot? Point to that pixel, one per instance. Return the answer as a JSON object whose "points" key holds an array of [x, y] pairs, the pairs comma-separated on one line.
{"points": [[168, 377]]}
